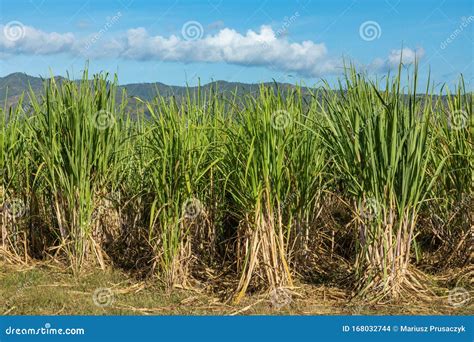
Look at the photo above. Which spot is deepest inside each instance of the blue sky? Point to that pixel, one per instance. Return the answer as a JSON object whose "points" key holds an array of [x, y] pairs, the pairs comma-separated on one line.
{"points": [[175, 42]]}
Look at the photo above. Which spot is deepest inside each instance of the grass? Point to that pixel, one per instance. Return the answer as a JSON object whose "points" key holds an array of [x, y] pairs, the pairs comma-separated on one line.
{"points": [[363, 188], [46, 289], [384, 167]]}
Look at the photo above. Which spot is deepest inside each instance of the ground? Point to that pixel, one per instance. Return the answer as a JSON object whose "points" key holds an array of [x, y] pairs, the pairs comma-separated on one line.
{"points": [[48, 289]]}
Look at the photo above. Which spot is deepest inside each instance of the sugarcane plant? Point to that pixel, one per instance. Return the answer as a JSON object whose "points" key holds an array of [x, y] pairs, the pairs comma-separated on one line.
{"points": [[379, 141]]}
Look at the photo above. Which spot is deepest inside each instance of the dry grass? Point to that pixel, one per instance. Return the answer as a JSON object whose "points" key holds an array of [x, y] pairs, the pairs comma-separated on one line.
{"points": [[47, 289]]}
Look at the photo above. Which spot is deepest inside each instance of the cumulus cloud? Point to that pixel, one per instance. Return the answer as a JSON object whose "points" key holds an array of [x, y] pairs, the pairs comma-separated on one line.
{"points": [[254, 48], [262, 48], [18, 39], [405, 55]]}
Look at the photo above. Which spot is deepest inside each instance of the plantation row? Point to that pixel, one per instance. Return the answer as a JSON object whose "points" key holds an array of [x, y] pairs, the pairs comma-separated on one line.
{"points": [[372, 178]]}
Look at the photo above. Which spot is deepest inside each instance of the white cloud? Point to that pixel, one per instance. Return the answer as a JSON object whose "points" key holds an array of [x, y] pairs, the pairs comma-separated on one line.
{"points": [[19, 39], [260, 48], [254, 48], [405, 55]]}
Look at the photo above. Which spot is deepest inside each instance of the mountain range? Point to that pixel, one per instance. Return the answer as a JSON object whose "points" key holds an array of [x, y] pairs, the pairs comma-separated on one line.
{"points": [[14, 85]]}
